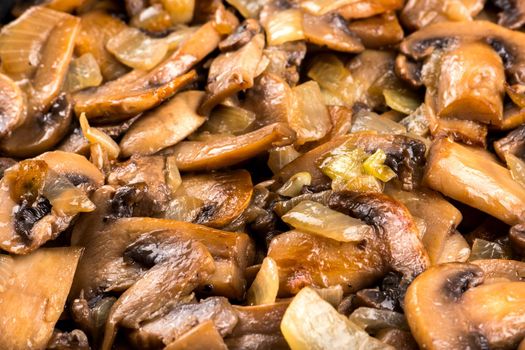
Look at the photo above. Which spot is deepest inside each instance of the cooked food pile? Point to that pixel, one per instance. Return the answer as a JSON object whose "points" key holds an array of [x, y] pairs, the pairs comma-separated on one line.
{"points": [[262, 174]]}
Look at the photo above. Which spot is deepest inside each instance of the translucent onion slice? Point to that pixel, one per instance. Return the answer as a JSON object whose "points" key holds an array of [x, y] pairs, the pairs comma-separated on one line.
{"points": [[455, 249], [152, 19], [373, 320], [181, 11], [333, 294], [361, 183], [21, 41], [312, 323], [311, 121], [482, 249], [174, 39], [417, 123], [265, 287], [343, 164], [517, 168], [228, 120], [173, 178], [330, 73], [374, 165], [95, 136], [183, 208], [135, 49], [321, 7], [65, 198], [247, 8], [315, 218], [284, 26], [281, 156], [401, 100], [369, 121], [83, 72], [294, 185]]}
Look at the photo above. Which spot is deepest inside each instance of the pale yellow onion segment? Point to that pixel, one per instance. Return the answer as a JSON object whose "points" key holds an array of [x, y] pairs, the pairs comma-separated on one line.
{"points": [[83, 72], [315, 218], [265, 287], [95, 136], [312, 323], [284, 26]]}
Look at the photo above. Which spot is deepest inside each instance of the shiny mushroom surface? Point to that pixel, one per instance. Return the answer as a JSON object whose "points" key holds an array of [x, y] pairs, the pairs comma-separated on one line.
{"points": [[262, 174]]}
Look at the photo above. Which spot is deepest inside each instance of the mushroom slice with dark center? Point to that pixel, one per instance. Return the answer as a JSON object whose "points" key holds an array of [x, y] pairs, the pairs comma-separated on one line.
{"points": [[331, 31], [474, 177], [379, 31], [409, 71], [285, 60], [512, 14], [450, 307], [13, 108], [513, 143], [507, 43], [182, 319], [242, 35], [164, 126], [41, 131], [304, 259], [38, 204], [153, 172], [229, 150], [33, 291], [224, 195], [104, 270], [420, 13], [394, 225], [232, 72], [176, 267]]}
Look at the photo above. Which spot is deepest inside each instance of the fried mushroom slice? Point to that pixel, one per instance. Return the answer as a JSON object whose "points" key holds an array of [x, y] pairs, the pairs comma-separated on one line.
{"points": [[103, 270], [229, 150], [164, 126], [309, 260], [13, 108], [41, 131], [419, 13], [33, 291], [474, 177], [175, 267], [507, 43], [225, 195], [394, 226], [450, 307], [513, 143], [183, 318], [379, 31], [39, 200], [368, 8]]}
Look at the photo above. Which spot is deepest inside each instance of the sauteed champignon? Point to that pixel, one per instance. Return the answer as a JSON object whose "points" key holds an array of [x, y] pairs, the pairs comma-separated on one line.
{"points": [[262, 174]]}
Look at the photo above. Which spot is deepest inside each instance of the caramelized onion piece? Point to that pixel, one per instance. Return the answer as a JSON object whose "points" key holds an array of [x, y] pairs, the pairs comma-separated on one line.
{"points": [[229, 150], [420, 13], [164, 126], [13, 109], [33, 292], [474, 177]]}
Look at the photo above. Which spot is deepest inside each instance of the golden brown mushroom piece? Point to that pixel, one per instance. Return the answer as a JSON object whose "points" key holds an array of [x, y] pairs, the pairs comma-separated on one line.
{"points": [[13, 109], [379, 31], [229, 150], [368, 8], [33, 291], [164, 126], [104, 270], [174, 267], [310, 260], [419, 13], [394, 226], [474, 177], [225, 195], [450, 307], [507, 43], [40, 199], [470, 84], [138, 90]]}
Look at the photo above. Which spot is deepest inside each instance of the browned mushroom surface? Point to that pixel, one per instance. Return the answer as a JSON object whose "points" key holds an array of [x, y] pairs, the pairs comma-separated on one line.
{"points": [[262, 174]]}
